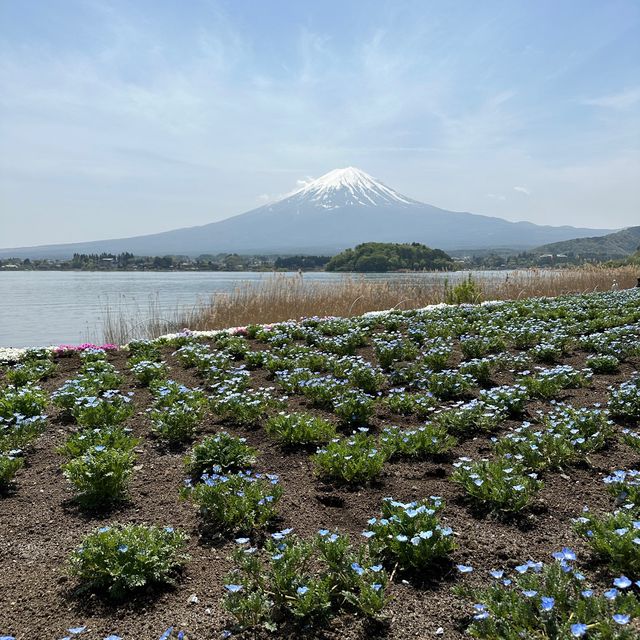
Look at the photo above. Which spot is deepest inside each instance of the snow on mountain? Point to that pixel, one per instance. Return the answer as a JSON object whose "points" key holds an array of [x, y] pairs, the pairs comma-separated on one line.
{"points": [[349, 186]]}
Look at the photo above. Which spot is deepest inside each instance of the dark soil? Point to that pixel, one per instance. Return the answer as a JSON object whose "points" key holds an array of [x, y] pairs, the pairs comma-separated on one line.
{"points": [[40, 525]]}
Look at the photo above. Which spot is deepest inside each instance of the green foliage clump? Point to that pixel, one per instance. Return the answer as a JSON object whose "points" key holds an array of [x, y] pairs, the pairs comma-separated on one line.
{"points": [[420, 405], [140, 350], [410, 535], [121, 559], [449, 384], [549, 601], [299, 429], [30, 371], [241, 501], [148, 371], [474, 347], [500, 485], [565, 436], [468, 291], [547, 383], [469, 418], [510, 400], [80, 442], [222, 450], [427, 440], [303, 581], [176, 412], [100, 476], [354, 460], [624, 400], [614, 538], [9, 466], [353, 407], [246, 408], [108, 409], [603, 363]]}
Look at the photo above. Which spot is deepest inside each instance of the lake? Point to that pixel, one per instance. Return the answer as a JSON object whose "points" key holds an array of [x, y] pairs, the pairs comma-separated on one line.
{"points": [[39, 308]]}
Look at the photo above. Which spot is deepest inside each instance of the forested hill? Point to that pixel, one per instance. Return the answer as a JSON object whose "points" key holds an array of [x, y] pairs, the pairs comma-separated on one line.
{"points": [[614, 245], [386, 256]]}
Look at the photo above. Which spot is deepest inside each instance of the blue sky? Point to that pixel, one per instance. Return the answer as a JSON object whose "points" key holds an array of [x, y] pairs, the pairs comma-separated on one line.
{"points": [[123, 118]]}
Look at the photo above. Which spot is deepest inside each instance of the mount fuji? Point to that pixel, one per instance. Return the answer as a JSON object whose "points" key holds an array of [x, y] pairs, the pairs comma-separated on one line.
{"points": [[342, 208]]}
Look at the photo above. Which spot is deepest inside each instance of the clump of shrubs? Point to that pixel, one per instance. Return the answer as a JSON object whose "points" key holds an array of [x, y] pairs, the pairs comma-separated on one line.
{"points": [[299, 429], [241, 501], [10, 464], [410, 536], [100, 476], [119, 560], [354, 460], [551, 601], [499, 485], [306, 582], [221, 450]]}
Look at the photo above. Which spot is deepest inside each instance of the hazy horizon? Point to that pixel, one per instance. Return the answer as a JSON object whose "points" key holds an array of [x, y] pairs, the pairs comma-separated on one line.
{"points": [[119, 119]]}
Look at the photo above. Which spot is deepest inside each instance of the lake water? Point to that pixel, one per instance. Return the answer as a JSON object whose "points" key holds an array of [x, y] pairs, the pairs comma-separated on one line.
{"points": [[40, 308]]}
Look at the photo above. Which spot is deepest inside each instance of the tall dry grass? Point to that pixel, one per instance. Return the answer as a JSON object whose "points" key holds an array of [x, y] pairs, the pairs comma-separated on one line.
{"points": [[285, 297]]}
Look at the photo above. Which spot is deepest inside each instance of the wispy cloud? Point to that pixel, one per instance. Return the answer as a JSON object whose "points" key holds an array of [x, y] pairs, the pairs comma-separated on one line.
{"points": [[115, 121], [620, 100]]}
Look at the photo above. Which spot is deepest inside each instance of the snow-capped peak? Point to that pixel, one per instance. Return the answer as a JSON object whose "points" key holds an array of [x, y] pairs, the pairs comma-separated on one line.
{"points": [[349, 186]]}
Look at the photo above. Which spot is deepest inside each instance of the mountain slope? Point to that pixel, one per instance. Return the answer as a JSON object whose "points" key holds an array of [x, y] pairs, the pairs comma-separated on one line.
{"points": [[613, 245], [343, 208]]}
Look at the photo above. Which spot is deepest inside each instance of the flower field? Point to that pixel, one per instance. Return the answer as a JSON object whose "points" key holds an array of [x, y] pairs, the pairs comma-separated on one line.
{"points": [[460, 471]]}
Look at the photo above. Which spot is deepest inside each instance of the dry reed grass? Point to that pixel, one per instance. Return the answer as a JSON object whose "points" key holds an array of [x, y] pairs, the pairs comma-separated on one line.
{"points": [[285, 297]]}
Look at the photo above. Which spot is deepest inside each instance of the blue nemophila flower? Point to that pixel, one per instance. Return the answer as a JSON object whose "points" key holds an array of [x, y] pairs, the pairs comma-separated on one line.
{"points": [[233, 588], [123, 548], [242, 540], [496, 573], [547, 603], [587, 593], [323, 532], [622, 582], [621, 618], [565, 554], [302, 590], [7, 638], [368, 534], [77, 630], [113, 637], [578, 629], [530, 593], [376, 586], [357, 568], [279, 535], [464, 568], [166, 634], [376, 568], [610, 594]]}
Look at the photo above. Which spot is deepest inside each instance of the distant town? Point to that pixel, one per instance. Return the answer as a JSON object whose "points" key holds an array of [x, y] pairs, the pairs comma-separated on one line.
{"points": [[236, 262]]}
